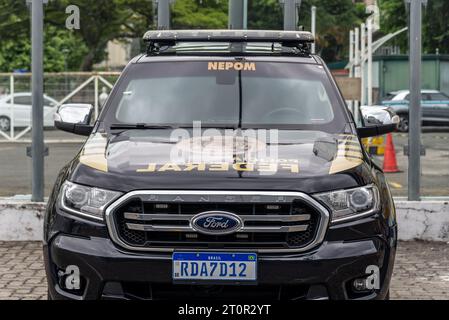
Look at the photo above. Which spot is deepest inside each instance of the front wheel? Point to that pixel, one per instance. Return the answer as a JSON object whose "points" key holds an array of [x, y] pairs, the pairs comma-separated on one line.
{"points": [[5, 123], [403, 123]]}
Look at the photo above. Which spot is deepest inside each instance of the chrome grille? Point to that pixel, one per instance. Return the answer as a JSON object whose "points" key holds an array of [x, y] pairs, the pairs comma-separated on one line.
{"points": [[273, 222]]}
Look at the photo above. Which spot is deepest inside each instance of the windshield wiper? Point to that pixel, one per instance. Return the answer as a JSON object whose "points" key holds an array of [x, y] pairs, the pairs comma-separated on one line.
{"points": [[211, 126], [130, 126]]}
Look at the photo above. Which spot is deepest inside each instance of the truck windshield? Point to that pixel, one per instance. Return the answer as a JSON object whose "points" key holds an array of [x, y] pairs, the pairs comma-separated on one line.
{"points": [[233, 93]]}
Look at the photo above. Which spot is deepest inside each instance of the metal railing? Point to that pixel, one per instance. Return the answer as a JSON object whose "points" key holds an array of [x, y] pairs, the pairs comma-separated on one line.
{"points": [[69, 90]]}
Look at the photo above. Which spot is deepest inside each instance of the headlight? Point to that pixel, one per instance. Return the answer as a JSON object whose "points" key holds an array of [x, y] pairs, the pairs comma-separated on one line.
{"points": [[351, 204], [86, 201]]}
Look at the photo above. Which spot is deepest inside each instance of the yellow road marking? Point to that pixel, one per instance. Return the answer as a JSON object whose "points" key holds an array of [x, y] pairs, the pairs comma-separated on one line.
{"points": [[395, 185]]}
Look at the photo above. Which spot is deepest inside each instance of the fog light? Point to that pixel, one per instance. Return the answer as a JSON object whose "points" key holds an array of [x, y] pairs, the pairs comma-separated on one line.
{"points": [[359, 284]]}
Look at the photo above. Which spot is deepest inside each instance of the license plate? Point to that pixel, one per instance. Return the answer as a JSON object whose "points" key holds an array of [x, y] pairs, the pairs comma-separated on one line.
{"points": [[214, 266]]}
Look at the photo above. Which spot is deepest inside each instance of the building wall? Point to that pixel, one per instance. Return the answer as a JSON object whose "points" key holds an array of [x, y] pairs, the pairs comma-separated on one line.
{"points": [[444, 76], [393, 73], [119, 54]]}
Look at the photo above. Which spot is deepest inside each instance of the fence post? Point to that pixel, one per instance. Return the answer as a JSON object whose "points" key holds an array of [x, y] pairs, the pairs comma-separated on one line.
{"points": [[11, 91], [96, 96], [362, 61], [370, 60], [352, 64]]}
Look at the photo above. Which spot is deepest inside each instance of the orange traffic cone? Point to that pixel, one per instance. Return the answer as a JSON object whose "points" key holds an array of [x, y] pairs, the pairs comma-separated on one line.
{"points": [[390, 164]]}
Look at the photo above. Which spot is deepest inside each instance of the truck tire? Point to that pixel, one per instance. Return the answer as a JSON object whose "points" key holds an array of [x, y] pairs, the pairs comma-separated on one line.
{"points": [[403, 123], [5, 123]]}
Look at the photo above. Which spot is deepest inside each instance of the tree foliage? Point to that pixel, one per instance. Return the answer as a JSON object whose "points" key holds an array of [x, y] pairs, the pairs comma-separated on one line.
{"points": [[394, 16], [265, 14], [196, 14], [106, 20], [61, 47], [334, 20]]}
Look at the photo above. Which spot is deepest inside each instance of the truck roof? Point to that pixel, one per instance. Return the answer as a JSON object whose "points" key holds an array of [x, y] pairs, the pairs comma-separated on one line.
{"points": [[144, 58], [222, 43], [225, 35]]}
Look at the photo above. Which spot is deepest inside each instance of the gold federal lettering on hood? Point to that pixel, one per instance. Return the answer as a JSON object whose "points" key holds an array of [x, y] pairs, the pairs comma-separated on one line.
{"points": [[222, 166], [231, 65], [349, 154], [93, 153]]}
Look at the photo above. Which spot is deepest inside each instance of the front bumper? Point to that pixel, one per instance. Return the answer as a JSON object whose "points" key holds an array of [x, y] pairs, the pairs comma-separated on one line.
{"points": [[327, 272]]}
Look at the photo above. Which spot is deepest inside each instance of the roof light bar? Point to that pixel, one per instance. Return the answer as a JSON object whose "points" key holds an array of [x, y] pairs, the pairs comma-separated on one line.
{"points": [[170, 36]]}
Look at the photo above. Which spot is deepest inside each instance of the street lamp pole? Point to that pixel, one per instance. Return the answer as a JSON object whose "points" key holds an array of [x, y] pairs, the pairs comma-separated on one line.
{"points": [[291, 13], [414, 136], [236, 14], [37, 88], [245, 14], [163, 14], [313, 28]]}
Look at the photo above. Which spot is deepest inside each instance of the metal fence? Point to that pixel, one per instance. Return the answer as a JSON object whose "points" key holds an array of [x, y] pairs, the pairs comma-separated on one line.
{"points": [[59, 88]]}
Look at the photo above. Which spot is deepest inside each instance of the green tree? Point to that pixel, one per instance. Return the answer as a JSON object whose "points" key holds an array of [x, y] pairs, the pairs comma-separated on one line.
{"points": [[334, 20], [394, 16], [436, 26], [14, 19], [100, 22], [61, 49], [61, 46], [138, 17], [199, 14], [265, 14]]}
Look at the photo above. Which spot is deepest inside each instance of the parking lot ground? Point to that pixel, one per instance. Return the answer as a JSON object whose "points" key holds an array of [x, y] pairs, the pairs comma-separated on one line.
{"points": [[421, 271], [434, 164]]}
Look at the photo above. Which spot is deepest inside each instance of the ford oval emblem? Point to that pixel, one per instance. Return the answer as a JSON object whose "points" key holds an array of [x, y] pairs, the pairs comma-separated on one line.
{"points": [[216, 222]]}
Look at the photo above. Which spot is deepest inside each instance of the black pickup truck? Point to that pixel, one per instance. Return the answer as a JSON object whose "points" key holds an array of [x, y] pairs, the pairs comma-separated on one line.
{"points": [[224, 164]]}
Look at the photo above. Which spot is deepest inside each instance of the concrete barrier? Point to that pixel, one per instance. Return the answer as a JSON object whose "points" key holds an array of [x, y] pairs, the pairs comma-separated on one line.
{"points": [[21, 220], [424, 220]]}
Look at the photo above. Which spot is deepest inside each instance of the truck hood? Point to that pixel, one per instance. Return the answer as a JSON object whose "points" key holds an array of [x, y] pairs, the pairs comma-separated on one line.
{"points": [[149, 159]]}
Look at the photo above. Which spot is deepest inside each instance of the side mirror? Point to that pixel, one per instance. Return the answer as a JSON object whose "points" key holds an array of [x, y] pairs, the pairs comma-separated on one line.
{"points": [[74, 118], [378, 120]]}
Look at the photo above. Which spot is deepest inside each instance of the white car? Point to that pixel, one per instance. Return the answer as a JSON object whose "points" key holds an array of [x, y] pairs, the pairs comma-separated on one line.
{"points": [[22, 110]]}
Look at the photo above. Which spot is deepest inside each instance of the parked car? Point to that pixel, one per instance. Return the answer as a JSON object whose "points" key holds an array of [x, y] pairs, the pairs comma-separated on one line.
{"points": [[435, 107], [22, 110], [154, 207]]}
